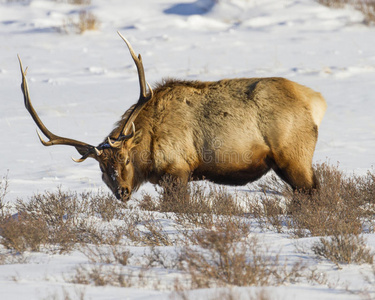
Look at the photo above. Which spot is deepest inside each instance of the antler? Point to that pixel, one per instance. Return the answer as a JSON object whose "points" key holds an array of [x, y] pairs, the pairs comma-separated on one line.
{"points": [[143, 97], [84, 149]]}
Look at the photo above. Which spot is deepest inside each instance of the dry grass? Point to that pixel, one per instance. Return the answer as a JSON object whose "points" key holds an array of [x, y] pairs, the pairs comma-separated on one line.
{"points": [[4, 189], [100, 275], [155, 234], [85, 21], [368, 10], [105, 206], [9, 258], [367, 7], [79, 294], [176, 197], [59, 220], [269, 211], [342, 209], [334, 3], [194, 204], [332, 209], [107, 254], [346, 248], [218, 252], [157, 258], [227, 256], [343, 204], [23, 233], [366, 185], [226, 294], [206, 230], [75, 2], [105, 266]]}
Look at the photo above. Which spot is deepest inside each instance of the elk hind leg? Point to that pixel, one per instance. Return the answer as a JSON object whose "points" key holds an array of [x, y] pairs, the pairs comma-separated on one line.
{"points": [[300, 178], [297, 171]]}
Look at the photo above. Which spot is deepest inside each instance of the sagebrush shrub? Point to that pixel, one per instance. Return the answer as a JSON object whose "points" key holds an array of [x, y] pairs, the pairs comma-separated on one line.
{"points": [[366, 7], [59, 220], [344, 248], [23, 233], [336, 208], [227, 256]]}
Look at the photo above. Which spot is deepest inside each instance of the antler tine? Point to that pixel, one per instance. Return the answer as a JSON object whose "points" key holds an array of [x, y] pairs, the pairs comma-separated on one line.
{"points": [[139, 65], [143, 98], [130, 135], [88, 154], [84, 149], [151, 91], [117, 143], [79, 160]]}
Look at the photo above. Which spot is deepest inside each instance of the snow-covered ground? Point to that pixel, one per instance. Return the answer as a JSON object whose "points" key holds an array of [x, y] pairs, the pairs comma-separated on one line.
{"points": [[81, 84]]}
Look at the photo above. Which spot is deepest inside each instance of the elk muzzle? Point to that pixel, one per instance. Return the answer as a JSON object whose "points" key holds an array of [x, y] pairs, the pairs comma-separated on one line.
{"points": [[122, 194]]}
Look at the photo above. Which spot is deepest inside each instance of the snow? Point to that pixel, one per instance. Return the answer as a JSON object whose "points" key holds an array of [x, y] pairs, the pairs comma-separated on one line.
{"points": [[81, 84]]}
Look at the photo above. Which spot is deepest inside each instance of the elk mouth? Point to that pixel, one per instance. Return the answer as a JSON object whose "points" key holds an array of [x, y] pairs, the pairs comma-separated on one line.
{"points": [[123, 194]]}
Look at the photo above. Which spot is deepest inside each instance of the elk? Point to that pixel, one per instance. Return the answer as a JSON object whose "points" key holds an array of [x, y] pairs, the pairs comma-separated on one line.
{"points": [[231, 131]]}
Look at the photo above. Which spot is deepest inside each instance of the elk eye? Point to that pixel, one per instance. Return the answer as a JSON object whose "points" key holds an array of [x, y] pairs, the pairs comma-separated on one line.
{"points": [[128, 161]]}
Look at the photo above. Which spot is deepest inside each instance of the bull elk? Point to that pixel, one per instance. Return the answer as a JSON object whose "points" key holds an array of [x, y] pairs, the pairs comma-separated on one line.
{"points": [[231, 131]]}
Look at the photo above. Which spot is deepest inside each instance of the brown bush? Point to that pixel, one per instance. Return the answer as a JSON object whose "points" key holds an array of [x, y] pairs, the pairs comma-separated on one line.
{"points": [[107, 254], [106, 206], [78, 294], [345, 248], [367, 7], [194, 204], [100, 275], [4, 186], [368, 10], [148, 203], [22, 233], [60, 212], [366, 186], [226, 255], [85, 21], [155, 234], [343, 205], [59, 220], [230, 293], [174, 196], [223, 202], [334, 3], [105, 266], [79, 2], [269, 211], [157, 258], [336, 208]]}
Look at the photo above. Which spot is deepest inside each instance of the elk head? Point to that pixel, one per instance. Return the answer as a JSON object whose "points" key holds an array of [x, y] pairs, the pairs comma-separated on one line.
{"points": [[113, 155]]}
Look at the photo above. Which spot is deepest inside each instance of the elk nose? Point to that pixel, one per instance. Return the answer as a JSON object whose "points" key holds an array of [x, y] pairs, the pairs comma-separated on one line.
{"points": [[124, 193]]}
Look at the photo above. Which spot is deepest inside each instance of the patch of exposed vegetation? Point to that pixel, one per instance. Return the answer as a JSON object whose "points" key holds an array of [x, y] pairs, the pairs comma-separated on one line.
{"points": [[200, 232], [366, 7]]}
